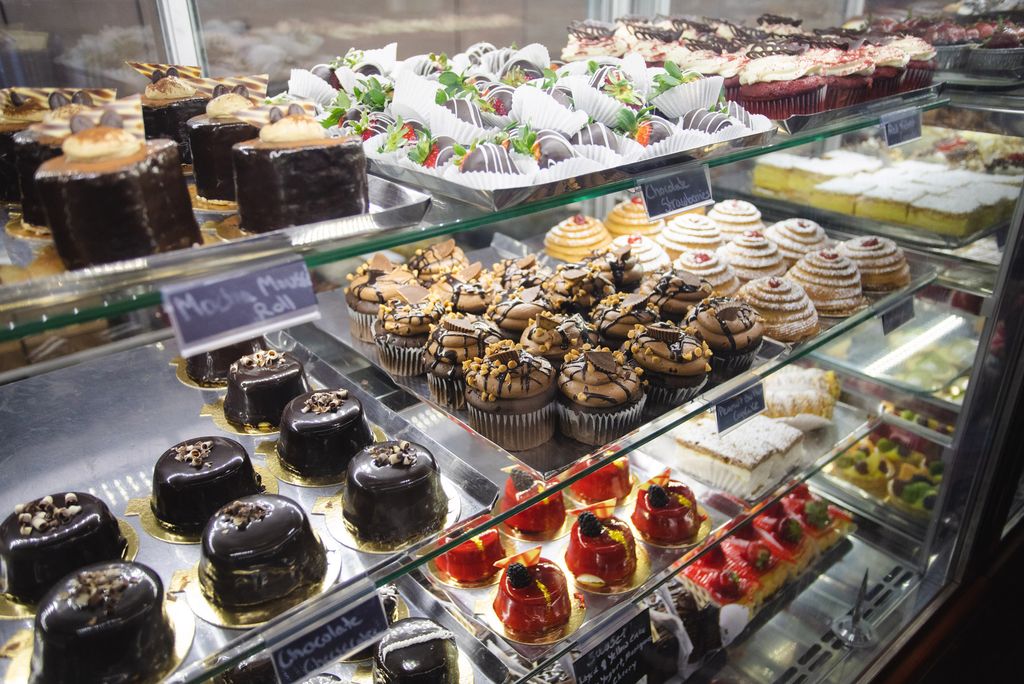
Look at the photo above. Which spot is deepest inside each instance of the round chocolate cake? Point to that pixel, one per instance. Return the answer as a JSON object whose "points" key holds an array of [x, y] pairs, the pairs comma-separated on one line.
{"points": [[16, 114], [260, 385], [167, 104], [293, 174], [321, 432], [104, 623], [211, 368], [211, 136], [393, 493], [416, 651], [194, 478], [45, 539], [112, 197], [259, 549]]}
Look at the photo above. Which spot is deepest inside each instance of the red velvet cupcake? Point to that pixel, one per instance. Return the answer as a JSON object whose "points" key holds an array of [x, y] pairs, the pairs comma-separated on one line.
{"points": [[847, 74], [920, 71], [781, 86], [542, 519], [666, 512], [602, 551], [533, 597], [890, 64], [472, 561], [608, 482]]}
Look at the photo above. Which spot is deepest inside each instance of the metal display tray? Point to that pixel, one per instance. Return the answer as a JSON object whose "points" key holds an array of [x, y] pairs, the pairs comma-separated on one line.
{"points": [[99, 427], [911, 98], [964, 80], [496, 200]]}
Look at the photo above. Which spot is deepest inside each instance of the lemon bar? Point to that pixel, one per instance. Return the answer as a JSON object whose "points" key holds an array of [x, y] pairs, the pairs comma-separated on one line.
{"points": [[949, 213], [771, 172], [840, 194], [888, 203]]}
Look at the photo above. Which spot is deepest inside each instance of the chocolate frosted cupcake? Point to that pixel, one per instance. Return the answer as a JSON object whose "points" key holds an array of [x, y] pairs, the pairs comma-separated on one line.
{"points": [[786, 310], [167, 104], [463, 290], [513, 313], [752, 256], [455, 339], [675, 364], [402, 328], [509, 396], [732, 329], [210, 138], [431, 263], [709, 267], [675, 292], [832, 281], [619, 265], [601, 397], [615, 316], [554, 335], [883, 266], [576, 288], [512, 274], [374, 283], [796, 237]]}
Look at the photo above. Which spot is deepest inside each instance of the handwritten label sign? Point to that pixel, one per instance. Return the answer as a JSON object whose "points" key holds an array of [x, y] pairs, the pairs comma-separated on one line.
{"points": [[901, 126], [688, 189], [619, 658], [331, 641], [738, 408], [898, 315], [209, 313]]}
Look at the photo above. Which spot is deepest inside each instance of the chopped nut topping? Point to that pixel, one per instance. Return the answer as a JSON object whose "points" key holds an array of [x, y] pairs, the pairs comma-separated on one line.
{"points": [[260, 359]]}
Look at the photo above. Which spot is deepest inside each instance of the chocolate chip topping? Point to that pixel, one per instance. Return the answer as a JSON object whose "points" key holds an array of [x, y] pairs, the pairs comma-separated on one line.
{"points": [[325, 402], [100, 590], [195, 454], [260, 359], [42, 515], [394, 454], [244, 513]]}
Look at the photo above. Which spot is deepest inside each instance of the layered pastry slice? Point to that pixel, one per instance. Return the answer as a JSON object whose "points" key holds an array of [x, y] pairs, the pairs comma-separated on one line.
{"points": [[393, 493], [824, 524], [748, 550], [321, 432], [194, 478], [666, 512], [715, 579], [783, 530], [168, 102], [211, 136], [472, 561], [260, 549], [103, 623], [542, 518], [416, 650], [260, 385], [533, 597], [601, 551], [45, 539]]}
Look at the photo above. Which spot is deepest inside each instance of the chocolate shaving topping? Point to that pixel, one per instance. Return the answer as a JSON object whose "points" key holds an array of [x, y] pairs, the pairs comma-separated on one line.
{"points": [[602, 360], [779, 19], [413, 294], [43, 514], [260, 359], [325, 402], [195, 454], [244, 513], [393, 454], [589, 29], [100, 590], [665, 35], [664, 332]]}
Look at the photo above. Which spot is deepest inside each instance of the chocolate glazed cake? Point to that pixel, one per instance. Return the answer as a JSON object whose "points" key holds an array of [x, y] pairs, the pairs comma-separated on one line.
{"points": [[321, 432], [416, 651], [259, 549], [211, 136], [45, 539], [112, 197], [194, 478], [210, 369], [104, 623], [167, 104], [393, 493], [260, 385], [18, 113], [294, 174]]}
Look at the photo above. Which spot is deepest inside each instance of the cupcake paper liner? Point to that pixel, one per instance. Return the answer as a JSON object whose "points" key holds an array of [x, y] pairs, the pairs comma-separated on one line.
{"points": [[482, 180], [437, 171], [515, 431], [913, 79], [635, 68], [732, 93], [662, 399], [845, 97], [809, 102], [303, 83], [680, 142], [725, 367], [443, 122], [372, 145], [362, 325], [534, 53], [493, 120], [599, 106], [570, 168], [581, 67], [598, 429], [884, 87], [700, 94], [400, 361], [449, 392], [600, 154], [414, 97], [538, 109]]}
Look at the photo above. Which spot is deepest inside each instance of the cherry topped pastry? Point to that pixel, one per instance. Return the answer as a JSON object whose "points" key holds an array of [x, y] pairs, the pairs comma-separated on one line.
{"points": [[602, 551], [666, 512], [823, 523], [785, 530], [722, 580], [747, 548], [544, 517], [608, 482], [473, 560], [533, 597]]}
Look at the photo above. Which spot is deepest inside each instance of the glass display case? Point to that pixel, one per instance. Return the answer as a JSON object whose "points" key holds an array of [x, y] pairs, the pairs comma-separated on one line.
{"points": [[796, 517]]}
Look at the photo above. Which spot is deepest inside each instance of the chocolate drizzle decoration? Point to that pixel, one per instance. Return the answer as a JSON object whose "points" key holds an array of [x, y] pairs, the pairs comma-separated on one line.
{"points": [[325, 402], [42, 515], [99, 590], [394, 454], [195, 455], [665, 35], [244, 513], [589, 29]]}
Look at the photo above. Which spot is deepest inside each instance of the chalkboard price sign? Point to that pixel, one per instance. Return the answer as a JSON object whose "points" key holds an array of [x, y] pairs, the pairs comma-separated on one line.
{"points": [[901, 127], [688, 189], [736, 409], [317, 648], [619, 658], [209, 313]]}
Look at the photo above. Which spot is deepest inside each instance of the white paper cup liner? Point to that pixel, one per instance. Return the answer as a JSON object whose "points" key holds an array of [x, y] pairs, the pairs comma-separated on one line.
{"points": [[635, 68], [759, 123], [533, 106], [372, 145], [570, 168], [493, 120], [303, 83], [386, 56], [443, 122], [730, 133], [400, 361], [459, 63], [414, 96], [680, 142], [534, 53], [515, 431], [604, 156], [582, 67], [449, 392], [405, 162], [597, 429], [700, 94], [525, 163], [599, 106], [347, 78], [661, 399], [362, 325], [480, 180]]}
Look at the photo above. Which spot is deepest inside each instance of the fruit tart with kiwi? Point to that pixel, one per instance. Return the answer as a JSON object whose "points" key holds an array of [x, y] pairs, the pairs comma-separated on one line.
{"points": [[666, 512], [533, 597], [898, 452], [912, 416], [864, 466], [915, 489], [601, 551]]}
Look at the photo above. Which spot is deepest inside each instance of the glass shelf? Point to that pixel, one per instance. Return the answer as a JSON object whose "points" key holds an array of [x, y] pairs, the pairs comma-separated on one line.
{"points": [[33, 306]]}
